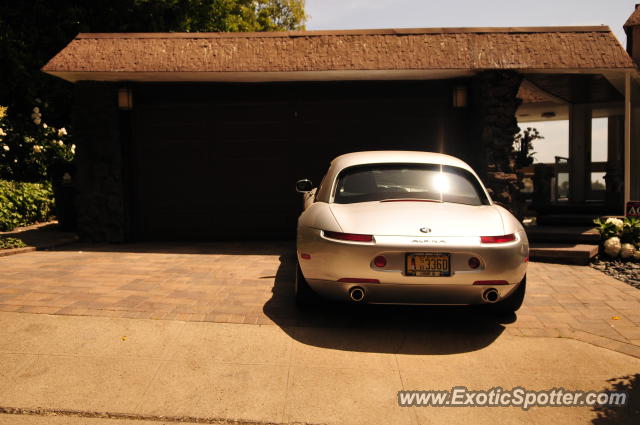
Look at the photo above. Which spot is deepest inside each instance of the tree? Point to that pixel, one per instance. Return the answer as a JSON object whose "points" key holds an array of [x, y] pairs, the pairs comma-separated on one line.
{"points": [[33, 31], [523, 147]]}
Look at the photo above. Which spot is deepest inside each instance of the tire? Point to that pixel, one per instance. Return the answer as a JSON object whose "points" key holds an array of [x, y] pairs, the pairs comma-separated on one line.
{"points": [[513, 302], [305, 296]]}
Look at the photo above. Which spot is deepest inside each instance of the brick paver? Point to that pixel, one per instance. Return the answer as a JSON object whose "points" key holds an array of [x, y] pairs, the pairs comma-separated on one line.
{"points": [[253, 283]]}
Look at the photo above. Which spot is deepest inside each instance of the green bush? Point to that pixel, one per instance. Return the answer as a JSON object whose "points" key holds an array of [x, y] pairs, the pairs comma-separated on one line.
{"points": [[30, 149], [627, 229], [9, 243], [22, 204]]}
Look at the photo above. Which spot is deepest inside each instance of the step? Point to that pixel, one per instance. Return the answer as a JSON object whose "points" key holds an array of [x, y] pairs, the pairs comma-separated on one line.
{"points": [[563, 234], [579, 254]]}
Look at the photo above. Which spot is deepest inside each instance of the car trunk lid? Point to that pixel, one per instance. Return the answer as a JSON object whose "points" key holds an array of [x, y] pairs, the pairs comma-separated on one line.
{"points": [[408, 217]]}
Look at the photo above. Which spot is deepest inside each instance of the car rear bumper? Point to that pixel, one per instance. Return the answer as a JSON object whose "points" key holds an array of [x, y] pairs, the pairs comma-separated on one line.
{"points": [[326, 262], [376, 293]]}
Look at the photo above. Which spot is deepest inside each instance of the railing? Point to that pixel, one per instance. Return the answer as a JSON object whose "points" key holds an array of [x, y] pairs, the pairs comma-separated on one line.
{"points": [[551, 181]]}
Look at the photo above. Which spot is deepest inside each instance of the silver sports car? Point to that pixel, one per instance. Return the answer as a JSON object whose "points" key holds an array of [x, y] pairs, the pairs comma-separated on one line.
{"points": [[396, 227]]}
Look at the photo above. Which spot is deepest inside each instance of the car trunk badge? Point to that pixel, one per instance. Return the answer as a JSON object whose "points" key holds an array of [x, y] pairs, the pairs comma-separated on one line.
{"points": [[425, 230]]}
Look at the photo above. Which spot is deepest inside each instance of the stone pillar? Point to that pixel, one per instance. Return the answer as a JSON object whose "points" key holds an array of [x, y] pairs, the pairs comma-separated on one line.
{"points": [[495, 102], [100, 201]]}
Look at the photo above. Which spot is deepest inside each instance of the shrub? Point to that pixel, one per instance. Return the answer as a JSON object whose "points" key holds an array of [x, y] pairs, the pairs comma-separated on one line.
{"points": [[620, 237], [22, 204], [30, 149], [9, 243]]}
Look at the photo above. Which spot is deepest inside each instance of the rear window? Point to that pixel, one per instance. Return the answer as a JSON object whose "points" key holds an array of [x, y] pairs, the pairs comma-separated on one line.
{"points": [[379, 182]]}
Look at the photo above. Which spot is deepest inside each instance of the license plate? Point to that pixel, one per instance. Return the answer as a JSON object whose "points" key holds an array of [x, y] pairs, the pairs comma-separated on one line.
{"points": [[431, 265]]}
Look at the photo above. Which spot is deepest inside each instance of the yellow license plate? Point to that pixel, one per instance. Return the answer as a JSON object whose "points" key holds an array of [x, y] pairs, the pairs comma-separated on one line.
{"points": [[432, 265]]}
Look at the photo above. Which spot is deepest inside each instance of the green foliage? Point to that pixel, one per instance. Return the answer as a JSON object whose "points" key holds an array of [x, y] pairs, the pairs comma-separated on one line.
{"points": [[22, 204], [630, 231], [9, 243], [30, 150], [607, 228], [627, 229]]}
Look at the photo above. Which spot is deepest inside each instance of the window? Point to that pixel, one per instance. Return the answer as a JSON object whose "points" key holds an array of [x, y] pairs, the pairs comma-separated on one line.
{"points": [[378, 182]]}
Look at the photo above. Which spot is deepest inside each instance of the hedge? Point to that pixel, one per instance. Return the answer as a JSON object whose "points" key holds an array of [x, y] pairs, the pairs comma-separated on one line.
{"points": [[22, 204]]}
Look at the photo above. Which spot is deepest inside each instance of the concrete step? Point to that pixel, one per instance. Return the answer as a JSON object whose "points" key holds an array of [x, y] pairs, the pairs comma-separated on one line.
{"points": [[579, 254], [563, 234]]}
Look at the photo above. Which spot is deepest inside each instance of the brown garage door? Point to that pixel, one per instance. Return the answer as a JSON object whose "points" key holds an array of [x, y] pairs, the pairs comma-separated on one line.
{"points": [[221, 161]]}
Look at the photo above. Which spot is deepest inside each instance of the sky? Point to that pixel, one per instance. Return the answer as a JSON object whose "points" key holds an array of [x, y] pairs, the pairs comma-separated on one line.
{"points": [[365, 14], [359, 14]]}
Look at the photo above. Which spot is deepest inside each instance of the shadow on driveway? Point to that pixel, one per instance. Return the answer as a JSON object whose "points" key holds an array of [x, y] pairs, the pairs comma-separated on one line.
{"points": [[42, 236], [340, 326], [181, 247], [616, 415], [380, 328]]}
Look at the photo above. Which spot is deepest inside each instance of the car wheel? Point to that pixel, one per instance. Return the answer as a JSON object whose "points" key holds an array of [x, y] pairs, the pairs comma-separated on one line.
{"points": [[513, 302], [305, 296]]}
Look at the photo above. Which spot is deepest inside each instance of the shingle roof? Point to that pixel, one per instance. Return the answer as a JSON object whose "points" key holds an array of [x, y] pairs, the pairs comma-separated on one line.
{"points": [[543, 48], [634, 19]]}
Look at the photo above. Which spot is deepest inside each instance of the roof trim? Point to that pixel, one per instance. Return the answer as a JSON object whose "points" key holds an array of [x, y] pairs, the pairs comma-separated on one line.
{"points": [[265, 76], [319, 33]]}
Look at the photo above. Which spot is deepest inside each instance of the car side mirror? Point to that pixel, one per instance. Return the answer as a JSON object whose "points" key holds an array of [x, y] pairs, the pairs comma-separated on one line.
{"points": [[304, 186]]}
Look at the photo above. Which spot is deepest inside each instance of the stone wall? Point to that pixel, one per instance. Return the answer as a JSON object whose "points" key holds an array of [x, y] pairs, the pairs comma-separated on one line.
{"points": [[494, 103], [100, 197]]}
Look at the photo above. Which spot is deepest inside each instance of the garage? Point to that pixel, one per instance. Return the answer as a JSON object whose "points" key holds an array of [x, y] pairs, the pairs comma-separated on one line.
{"points": [[220, 161], [201, 136]]}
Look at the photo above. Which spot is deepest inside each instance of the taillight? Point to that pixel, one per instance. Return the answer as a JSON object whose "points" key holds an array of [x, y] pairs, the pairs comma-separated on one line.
{"points": [[348, 236], [380, 261], [498, 239]]}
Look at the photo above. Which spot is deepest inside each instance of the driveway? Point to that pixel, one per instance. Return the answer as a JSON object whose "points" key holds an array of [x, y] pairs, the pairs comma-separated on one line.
{"points": [[251, 283], [226, 342]]}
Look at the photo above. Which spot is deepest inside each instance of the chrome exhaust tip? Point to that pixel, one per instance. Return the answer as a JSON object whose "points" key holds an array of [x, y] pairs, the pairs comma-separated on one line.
{"points": [[356, 294], [491, 295]]}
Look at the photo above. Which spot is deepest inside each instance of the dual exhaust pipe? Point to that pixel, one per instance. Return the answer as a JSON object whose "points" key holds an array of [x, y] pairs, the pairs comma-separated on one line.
{"points": [[491, 295]]}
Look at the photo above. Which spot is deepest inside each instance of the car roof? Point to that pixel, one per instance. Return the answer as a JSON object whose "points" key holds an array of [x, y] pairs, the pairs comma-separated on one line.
{"points": [[410, 157], [387, 157]]}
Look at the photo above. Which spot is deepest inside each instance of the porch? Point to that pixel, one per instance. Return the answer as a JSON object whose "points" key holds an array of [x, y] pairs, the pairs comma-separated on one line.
{"points": [[585, 162]]}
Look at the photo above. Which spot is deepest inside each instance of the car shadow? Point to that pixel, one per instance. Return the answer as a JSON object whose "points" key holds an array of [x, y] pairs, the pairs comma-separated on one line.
{"points": [[342, 326], [380, 328]]}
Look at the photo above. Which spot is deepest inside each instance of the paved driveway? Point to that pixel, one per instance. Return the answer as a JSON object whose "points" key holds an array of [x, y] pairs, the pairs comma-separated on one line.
{"points": [[251, 283], [338, 365], [164, 371]]}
